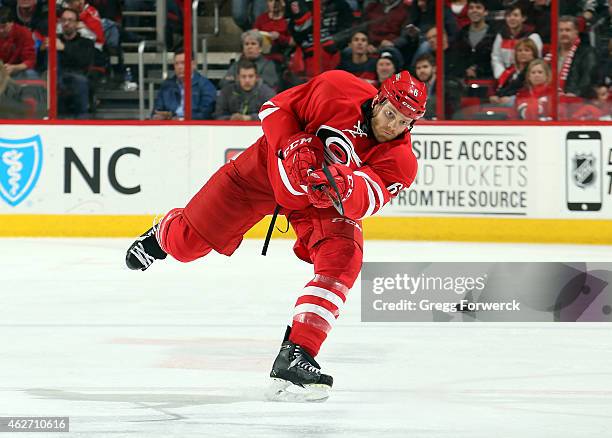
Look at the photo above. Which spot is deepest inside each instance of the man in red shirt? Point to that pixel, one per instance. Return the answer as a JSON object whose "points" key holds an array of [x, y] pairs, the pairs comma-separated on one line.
{"points": [[334, 139], [16, 47]]}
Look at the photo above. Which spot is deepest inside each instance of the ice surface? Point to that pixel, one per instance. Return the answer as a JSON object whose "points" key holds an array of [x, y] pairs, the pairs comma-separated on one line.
{"points": [[184, 350]]}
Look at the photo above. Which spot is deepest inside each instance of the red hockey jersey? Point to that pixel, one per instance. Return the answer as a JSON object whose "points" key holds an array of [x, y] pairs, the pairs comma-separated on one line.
{"points": [[330, 106]]}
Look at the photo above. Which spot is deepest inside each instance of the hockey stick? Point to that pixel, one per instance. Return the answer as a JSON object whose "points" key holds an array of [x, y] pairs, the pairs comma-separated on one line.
{"points": [[335, 200], [264, 250]]}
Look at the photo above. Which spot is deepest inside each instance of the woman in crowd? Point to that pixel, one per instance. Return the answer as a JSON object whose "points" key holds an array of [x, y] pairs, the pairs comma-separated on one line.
{"points": [[513, 78]]}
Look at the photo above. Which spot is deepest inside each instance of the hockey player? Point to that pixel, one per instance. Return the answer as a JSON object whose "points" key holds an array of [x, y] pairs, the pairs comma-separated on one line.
{"points": [[364, 137]]}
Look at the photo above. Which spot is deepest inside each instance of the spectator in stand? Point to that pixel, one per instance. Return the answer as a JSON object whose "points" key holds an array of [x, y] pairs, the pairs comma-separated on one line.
{"points": [[514, 29], [598, 108], [583, 8], [533, 100], [450, 60], [76, 55], [16, 47], [110, 15], [385, 19], [429, 43], [602, 101], [33, 15], [513, 78], [389, 63], [336, 22], [538, 17], [459, 8], [90, 22], [412, 42], [424, 17], [273, 26], [454, 87], [474, 43], [242, 99], [359, 63], [577, 61], [170, 100], [251, 50], [425, 70]]}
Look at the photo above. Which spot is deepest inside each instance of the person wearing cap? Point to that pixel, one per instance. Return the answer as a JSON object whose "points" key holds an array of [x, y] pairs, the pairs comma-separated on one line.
{"points": [[389, 62]]}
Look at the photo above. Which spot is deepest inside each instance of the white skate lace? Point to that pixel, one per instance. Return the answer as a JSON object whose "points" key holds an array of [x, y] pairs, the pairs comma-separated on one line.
{"points": [[301, 362], [139, 252]]}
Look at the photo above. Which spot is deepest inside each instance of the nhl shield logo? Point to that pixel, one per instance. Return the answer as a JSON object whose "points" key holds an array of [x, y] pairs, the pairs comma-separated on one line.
{"points": [[20, 165], [584, 170]]}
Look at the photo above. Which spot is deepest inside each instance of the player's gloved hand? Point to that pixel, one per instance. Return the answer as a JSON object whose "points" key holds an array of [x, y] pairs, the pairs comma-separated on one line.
{"points": [[320, 191], [304, 153]]}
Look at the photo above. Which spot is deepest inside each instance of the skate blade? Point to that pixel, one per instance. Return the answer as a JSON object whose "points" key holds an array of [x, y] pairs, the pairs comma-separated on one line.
{"points": [[285, 391]]}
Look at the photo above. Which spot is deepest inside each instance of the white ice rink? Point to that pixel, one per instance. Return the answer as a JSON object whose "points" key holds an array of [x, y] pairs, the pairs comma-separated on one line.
{"points": [[185, 350]]}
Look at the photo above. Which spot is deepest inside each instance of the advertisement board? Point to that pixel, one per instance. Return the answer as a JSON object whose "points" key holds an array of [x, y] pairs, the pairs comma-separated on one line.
{"points": [[466, 173]]}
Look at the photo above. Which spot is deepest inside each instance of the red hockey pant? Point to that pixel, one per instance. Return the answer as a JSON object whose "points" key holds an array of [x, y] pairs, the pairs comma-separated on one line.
{"points": [[238, 196]]}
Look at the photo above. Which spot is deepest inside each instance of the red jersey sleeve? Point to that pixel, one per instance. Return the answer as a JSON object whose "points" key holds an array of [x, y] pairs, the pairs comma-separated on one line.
{"points": [[381, 179]]}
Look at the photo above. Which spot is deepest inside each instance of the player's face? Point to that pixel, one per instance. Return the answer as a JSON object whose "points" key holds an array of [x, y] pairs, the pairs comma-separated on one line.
{"points": [[247, 78], [388, 122]]}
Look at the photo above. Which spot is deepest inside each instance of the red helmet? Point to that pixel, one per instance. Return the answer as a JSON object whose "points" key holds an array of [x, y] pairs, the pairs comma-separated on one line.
{"points": [[406, 93]]}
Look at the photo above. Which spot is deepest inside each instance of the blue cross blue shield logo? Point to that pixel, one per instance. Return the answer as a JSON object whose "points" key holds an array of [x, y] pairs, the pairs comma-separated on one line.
{"points": [[20, 165]]}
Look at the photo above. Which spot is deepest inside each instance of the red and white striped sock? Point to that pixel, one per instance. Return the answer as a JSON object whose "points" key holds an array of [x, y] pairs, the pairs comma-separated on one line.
{"points": [[177, 238], [162, 230], [316, 311]]}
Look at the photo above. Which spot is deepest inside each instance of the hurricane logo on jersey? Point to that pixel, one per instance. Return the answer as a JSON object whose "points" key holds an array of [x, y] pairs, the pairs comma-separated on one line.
{"points": [[338, 148], [20, 165]]}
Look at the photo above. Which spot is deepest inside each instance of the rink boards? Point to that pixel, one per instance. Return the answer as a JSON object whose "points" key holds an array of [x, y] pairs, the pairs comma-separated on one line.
{"points": [[475, 183]]}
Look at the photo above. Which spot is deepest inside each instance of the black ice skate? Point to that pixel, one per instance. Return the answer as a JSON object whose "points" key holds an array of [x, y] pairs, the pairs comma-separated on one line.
{"points": [[297, 377], [144, 251]]}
